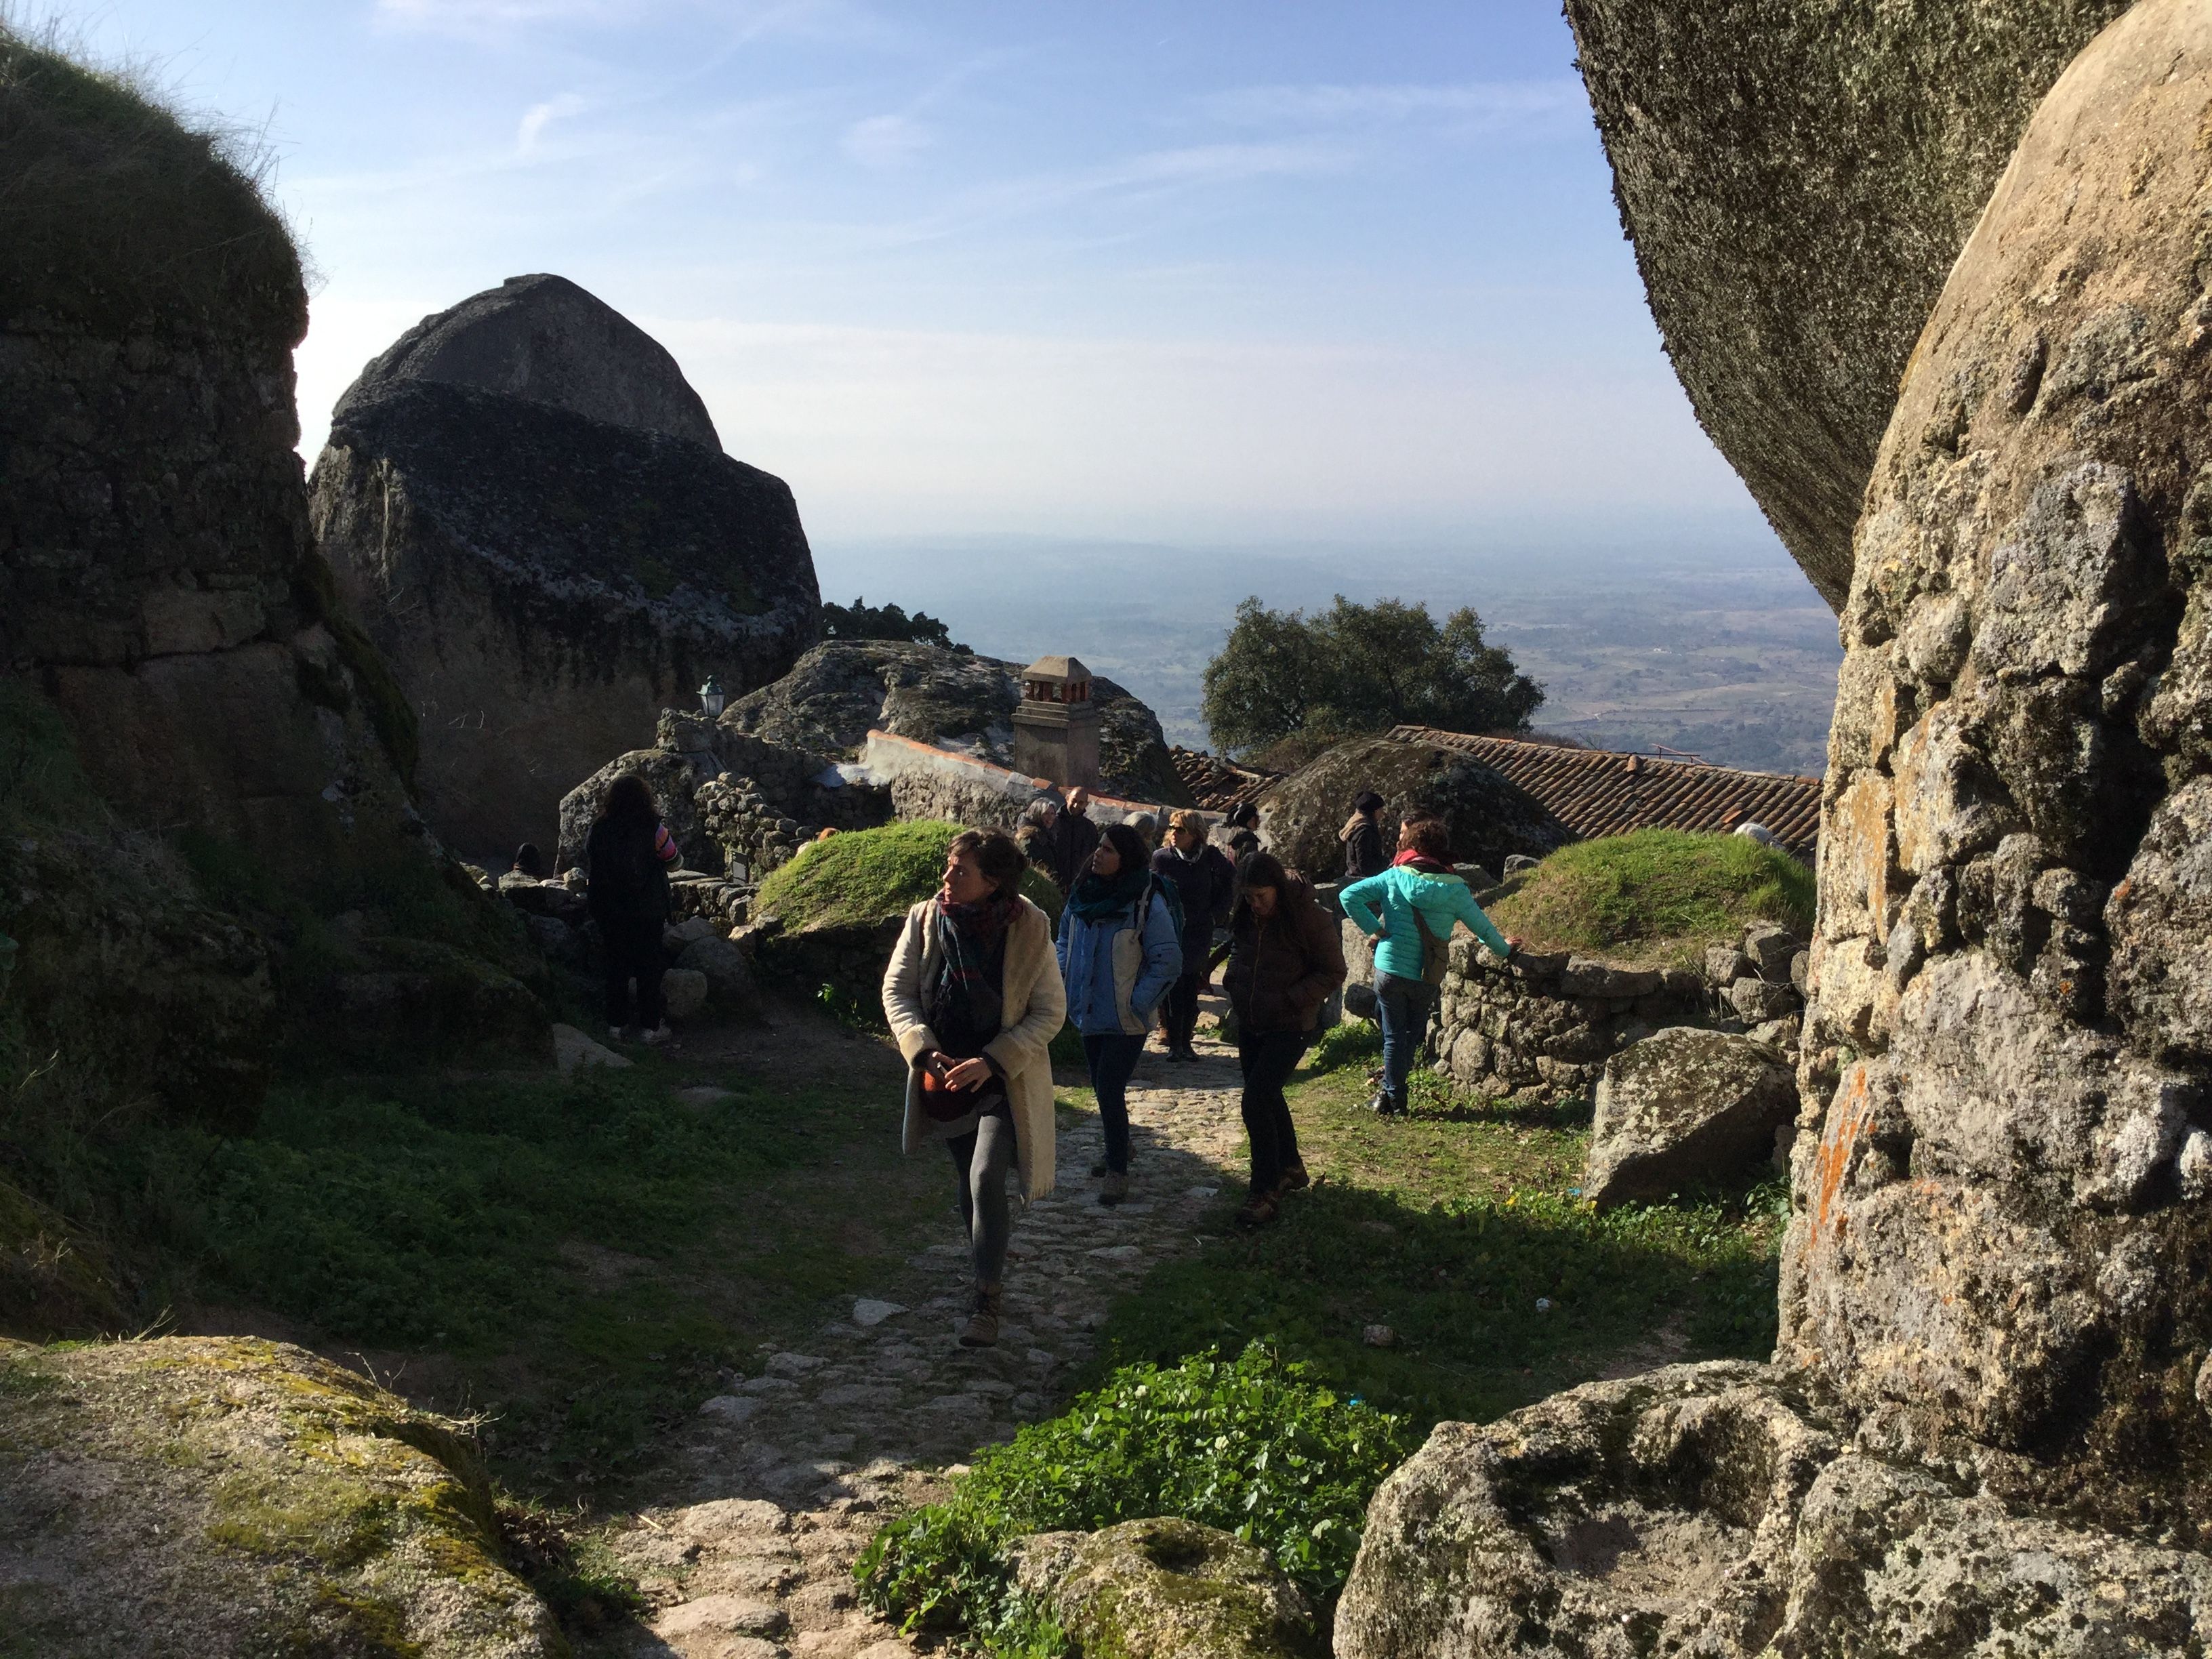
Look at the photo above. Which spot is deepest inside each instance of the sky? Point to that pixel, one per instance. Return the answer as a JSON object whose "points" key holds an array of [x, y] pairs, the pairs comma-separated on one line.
{"points": [[1249, 272]]}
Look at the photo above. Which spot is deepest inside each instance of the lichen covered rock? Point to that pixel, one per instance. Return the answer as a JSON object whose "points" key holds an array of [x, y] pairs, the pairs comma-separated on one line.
{"points": [[1491, 818], [1166, 1589], [188, 1497], [1741, 134], [842, 689], [1685, 1109], [1704, 1510], [543, 584]]}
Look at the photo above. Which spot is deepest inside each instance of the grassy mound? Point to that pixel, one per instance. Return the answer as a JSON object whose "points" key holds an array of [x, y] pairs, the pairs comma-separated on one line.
{"points": [[872, 875], [1657, 896], [121, 215]]}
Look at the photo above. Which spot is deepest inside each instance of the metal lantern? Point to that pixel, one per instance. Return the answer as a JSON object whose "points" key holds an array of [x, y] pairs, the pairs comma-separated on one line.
{"points": [[713, 698]]}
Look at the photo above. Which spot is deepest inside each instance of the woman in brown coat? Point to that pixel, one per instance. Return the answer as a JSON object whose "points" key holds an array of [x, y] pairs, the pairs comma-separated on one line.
{"points": [[1285, 956]]}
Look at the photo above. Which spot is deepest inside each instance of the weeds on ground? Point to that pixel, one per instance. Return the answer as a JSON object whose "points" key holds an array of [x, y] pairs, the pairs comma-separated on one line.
{"points": [[1460, 1231], [587, 1258], [1349, 1042], [1257, 1446]]}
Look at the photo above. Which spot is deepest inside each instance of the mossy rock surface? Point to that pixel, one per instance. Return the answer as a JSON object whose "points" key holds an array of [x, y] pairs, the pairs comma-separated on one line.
{"points": [[196, 1496], [1654, 899], [1166, 1589], [868, 876]]}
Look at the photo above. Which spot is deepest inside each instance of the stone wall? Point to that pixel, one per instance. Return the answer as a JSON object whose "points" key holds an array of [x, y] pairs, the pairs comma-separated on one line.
{"points": [[1541, 1029]]}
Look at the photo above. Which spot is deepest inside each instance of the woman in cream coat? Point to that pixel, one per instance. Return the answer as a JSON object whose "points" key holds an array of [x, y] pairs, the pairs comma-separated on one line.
{"points": [[974, 998]]}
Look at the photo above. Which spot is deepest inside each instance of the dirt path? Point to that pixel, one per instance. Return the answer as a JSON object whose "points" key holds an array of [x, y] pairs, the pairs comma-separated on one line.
{"points": [[779, 1483]]}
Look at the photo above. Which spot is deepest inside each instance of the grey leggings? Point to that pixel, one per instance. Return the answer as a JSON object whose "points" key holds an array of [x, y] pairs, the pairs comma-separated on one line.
{"points": [[981, 1159]]}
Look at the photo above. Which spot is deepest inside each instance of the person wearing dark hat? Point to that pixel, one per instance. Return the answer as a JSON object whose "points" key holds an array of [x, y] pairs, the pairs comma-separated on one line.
{"points": [[1242, 824], [1365, 854]]}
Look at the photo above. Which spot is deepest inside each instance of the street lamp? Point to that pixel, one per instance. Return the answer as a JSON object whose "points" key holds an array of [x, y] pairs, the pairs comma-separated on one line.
{"points": [[713, 698]]}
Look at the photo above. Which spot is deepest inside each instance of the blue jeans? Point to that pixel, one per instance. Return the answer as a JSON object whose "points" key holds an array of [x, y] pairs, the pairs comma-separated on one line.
{"points": [[1112, 1058], [1404, 1005]]}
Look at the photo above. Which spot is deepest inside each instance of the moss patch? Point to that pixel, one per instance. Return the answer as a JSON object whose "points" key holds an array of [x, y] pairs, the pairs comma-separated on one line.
{"points": [[872, 875], [1656, 897], [120, 215]]}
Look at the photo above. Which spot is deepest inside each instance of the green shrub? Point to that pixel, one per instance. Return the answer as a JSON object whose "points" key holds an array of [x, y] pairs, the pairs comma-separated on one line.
{"points": [[868, 876], [1660, 894], [1252, 1446]]}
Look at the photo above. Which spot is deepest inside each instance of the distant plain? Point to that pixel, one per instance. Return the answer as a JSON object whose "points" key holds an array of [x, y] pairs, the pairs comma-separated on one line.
{"points": [[1706, 639]]}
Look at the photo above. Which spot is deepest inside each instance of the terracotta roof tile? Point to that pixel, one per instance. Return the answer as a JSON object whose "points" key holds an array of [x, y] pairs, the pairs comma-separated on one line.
{"points": [[1601, 792]]}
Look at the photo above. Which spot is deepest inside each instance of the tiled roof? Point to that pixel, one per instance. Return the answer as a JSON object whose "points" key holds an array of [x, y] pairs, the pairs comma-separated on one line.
{"points": [[1601, 792], [1216, 784]]}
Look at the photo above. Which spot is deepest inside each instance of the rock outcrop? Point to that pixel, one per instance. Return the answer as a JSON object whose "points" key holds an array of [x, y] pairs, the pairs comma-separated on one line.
{"points": [[196, 1496], [544, 583], [842, 688], [1999, 1216], [1685, 1109], [1995, 1310], [1742, 133], [1166, 1589], [543, 339], [158, 582], [1491, 818]]}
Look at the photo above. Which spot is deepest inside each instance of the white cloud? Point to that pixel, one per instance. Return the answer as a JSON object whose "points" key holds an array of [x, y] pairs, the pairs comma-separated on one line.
{"points": [[1483, 104], [887, 141], [538, 117]]}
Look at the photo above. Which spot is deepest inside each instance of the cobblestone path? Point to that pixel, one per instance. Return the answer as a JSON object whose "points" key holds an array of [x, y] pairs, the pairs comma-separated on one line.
{"points": [[784, 1478]]}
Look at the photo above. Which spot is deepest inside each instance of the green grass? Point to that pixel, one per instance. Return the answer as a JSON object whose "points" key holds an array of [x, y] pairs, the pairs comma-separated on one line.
{"points": [[1659, 895], [872, 875], [585, 1259], [1254, 1446], [1448, 1226], [120, 214]]}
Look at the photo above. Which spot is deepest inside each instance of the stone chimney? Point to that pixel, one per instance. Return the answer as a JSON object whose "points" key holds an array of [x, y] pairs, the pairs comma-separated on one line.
{"points": [[1057, 727]]}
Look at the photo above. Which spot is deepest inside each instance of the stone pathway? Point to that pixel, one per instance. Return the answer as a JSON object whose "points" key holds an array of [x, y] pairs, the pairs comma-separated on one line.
{"points": [[784, 1477]]}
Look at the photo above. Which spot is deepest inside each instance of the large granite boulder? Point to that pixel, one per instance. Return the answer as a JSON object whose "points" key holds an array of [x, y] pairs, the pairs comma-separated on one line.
{"points": [[1700, 1510], [1491, 818], [543, 584], [158, 582], [1742, 134], [188, 1497], [545, 339], [842, 689], [1994, 1302], [1166, 1589], [1685, 1109], [1999, 1225]]}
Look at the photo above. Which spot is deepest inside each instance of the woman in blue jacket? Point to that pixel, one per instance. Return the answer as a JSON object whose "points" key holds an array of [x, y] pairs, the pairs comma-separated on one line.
{"points": [[1119, 953], [1420, 882]]}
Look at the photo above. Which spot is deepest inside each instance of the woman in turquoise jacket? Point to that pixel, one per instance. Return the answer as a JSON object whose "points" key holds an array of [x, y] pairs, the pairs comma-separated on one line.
{"points": [[1420, 881], [1120, 950]]}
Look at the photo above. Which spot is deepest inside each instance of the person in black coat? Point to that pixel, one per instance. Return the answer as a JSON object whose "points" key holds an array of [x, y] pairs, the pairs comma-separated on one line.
{"points": [[1206, 881], [1365, 854], [627, 858]]}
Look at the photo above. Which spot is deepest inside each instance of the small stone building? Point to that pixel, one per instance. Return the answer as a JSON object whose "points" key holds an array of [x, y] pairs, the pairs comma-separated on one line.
{"points": [[1056, 724]]}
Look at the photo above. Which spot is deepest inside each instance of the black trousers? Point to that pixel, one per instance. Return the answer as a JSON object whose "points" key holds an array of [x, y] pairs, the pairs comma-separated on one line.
{"points": [[633, 952], [1179, 1013], [1267, 1059]]}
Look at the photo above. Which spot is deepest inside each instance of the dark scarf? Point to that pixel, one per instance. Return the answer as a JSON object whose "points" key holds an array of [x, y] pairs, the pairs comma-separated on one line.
{"points": [[968, 999], [1412, 860], [1097, 898]]}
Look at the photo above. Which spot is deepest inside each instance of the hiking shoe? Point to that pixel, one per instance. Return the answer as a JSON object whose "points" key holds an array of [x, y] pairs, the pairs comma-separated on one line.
{"points": [[1294, 1177], [630, 1034], [1185, 1053], [656, 1036], [1259, 1210], [981, 1330], [1383, 1106], [614, 1034], [1115, 1186], [1098, 1168]]}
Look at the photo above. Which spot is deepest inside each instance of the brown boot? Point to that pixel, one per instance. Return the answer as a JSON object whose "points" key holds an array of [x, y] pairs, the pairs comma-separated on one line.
{"points": [[981, 1330], [1295, 1178]]}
